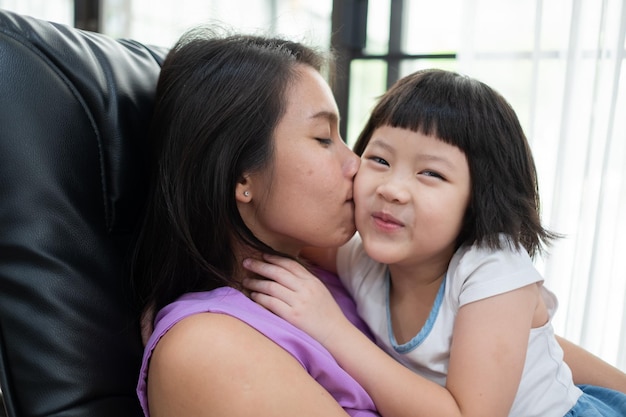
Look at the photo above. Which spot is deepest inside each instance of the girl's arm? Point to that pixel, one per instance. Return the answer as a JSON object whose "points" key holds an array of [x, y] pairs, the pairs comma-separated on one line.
{"points": [[589, 369], [487, 356], [216, 365]]}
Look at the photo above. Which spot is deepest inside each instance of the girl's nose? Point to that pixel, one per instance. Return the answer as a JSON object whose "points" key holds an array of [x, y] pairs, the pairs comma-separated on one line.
{"points": [[394, 191]]}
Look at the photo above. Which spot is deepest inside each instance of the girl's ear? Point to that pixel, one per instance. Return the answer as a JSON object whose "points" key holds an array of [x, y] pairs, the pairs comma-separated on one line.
{"points": [[243, 193]]}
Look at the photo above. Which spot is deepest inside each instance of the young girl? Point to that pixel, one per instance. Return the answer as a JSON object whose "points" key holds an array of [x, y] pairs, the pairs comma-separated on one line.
{"points": [[447, 210]]}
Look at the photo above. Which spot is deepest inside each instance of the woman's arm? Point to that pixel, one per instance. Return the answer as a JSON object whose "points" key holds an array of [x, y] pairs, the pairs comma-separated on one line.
{"points": [[216, 365], [589, 369]]}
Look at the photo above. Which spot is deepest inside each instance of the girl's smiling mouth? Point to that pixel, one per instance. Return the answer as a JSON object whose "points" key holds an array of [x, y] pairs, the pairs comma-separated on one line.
{"points": [[386, 222]]}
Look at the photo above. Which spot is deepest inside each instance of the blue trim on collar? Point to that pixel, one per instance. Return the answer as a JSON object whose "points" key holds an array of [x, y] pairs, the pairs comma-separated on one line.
{"points": [[428, 325]]}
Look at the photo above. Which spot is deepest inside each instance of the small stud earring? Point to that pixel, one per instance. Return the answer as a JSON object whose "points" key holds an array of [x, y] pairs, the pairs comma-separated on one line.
{"points": [[246, 193]]}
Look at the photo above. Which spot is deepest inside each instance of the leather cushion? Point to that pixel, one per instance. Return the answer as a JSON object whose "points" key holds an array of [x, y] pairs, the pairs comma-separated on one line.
{"points": [[74, 112]]}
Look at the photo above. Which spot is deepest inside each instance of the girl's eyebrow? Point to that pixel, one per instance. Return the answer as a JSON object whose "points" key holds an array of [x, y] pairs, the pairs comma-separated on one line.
{"points": [[436, 158], [423, 157], [381, 144]]}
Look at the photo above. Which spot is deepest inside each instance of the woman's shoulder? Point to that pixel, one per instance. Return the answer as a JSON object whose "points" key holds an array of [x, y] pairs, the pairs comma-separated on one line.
{"points": [[215, 364], [205, 341], [210, 330]]}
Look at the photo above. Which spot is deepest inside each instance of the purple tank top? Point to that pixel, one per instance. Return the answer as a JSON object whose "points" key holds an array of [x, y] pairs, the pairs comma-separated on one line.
{"points": [[313, 356]]}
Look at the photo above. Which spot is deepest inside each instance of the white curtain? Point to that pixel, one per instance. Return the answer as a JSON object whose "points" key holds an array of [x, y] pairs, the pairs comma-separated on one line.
{"points": [[60, 11], [561, 64]]}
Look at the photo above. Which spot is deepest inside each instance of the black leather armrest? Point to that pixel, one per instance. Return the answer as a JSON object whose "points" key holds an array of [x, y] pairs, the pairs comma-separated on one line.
{"points": [[74, 111]]}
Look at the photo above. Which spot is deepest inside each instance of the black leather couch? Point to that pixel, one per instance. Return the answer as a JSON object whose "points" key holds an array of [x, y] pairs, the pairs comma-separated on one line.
{"points": [[74, 109]]}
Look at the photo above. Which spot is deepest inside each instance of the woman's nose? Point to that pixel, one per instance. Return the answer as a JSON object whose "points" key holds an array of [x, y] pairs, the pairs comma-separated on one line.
{"points": [[351, 164]]}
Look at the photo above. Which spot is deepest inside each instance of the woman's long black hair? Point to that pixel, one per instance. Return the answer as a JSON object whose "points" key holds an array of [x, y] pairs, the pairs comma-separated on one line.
{"points": [[218, 101]]}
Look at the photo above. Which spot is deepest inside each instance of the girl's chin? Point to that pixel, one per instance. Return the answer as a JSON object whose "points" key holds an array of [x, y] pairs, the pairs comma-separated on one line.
{"points": [[382, 252]]}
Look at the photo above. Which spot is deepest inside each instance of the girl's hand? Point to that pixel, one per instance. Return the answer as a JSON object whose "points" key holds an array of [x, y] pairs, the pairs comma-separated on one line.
{"points": [[296, 295]]}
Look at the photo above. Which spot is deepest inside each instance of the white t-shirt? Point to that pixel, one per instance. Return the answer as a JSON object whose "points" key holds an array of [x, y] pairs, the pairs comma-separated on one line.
{"points": [[474, 273]]}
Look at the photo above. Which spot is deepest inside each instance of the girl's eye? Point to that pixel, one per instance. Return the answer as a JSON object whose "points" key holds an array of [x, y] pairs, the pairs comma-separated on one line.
{"points": [[325, 142], [378, 160], [431, 174]]}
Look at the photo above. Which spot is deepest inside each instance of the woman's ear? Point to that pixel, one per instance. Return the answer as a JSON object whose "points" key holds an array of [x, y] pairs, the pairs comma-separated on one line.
{"points": [[243, 193]]}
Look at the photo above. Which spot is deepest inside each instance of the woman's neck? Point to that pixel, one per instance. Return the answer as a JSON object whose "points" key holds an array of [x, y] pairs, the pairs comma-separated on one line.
{"points": [[239, 272]]}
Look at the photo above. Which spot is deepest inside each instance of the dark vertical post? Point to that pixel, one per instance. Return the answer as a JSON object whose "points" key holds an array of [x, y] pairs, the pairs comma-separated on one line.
{"points": [[87, 15], [348, 38], [395, 41]]}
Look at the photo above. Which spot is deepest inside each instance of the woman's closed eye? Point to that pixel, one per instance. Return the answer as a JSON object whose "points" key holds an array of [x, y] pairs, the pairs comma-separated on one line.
{"points": [[324, 141]]}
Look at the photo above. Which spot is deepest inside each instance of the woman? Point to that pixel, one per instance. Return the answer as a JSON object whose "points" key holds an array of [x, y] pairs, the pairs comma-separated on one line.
{"points": [[241, 165]]}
